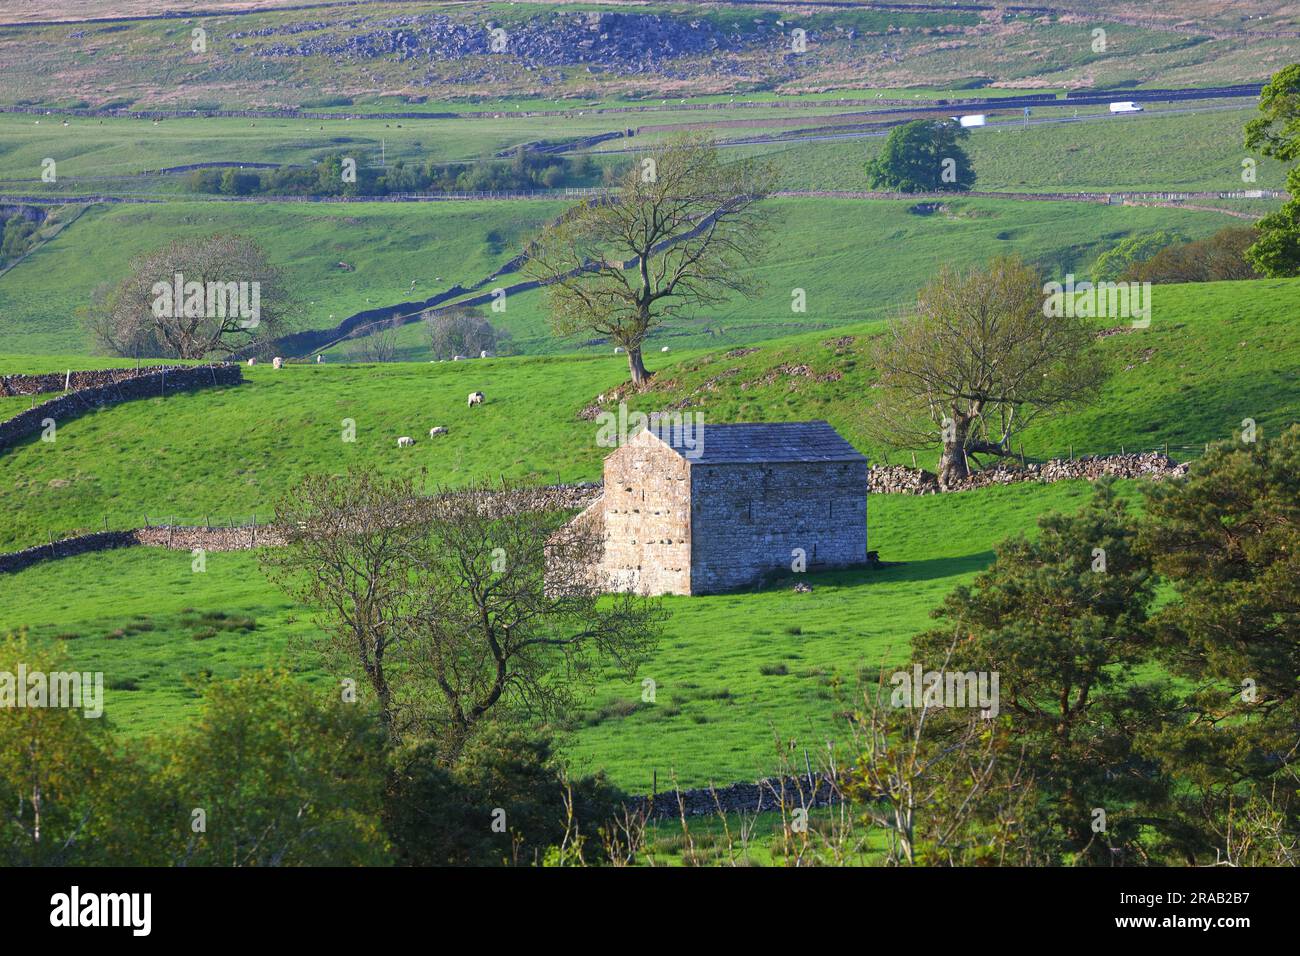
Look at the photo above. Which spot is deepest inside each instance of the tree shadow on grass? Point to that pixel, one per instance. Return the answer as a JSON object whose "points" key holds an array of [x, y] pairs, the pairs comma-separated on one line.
{"points": [[930, 569], [933, 569]]}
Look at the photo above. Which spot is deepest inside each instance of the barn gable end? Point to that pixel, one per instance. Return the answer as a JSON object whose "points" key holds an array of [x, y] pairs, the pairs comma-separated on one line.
{"points": [[646, 505]]}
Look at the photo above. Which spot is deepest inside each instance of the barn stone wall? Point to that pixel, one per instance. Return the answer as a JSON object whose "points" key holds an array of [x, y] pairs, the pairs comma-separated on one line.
{"points": [[646, 511], [746, 520]]}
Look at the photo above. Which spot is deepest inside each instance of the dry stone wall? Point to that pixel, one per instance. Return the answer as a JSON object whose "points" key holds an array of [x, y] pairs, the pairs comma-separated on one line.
{"points": [[759, 796], [155, 382], [247, 536], [899, 479], [239, 538], [77, 379]]}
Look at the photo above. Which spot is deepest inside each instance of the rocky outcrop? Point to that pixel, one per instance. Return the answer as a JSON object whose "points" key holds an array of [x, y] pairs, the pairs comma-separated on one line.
{"points": [[624, 42]]}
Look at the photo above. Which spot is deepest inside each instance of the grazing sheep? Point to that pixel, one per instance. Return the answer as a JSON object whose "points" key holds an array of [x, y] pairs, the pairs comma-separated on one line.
{"points": [[252, 361], [406, 441], [664, 349], [618, 350], [475, 398], [485, 354], [458, 358], [319, 359], [277, 362], [437, 430]]}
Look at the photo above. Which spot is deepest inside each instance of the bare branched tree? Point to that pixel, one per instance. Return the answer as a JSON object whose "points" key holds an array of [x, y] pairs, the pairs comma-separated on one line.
{"points": [[354, 550], [458, 331], [681, 233], [456, 606], [511, 617], [975, 362], [190, 299], [378, 343]]}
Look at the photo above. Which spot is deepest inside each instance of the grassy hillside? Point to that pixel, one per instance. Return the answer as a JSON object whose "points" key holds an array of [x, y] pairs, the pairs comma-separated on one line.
{"points": [[875, 259], [872, 263], [1197, 152], [731, 671], [1214, 354], [386, 245]]}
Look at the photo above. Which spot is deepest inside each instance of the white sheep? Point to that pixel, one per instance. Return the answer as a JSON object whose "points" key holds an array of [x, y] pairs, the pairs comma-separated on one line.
{"points": [[277, 362], [475, 398], [252, 361], [437, 430], [458, 358], [618, 350], [485, 354], [406, 441], [664, 349]]}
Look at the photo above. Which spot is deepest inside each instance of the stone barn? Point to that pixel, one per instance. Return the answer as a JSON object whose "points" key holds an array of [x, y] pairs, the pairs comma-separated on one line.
{"points": [[725, 510]]}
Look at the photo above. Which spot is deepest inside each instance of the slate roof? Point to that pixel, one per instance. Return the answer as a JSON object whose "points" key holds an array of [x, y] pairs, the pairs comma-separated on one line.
{"points": [[759, 443]]}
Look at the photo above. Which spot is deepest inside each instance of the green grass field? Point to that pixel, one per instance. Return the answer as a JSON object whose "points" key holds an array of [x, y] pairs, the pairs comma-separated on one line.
{"points": [[1153, 151], [158, 631], [872, 263], [732, 671], [1215, 353], [735, 672]]}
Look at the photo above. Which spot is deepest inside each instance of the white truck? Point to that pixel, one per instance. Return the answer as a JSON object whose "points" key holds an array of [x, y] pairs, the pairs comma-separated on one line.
{"points": [[975, 119], [1128, 106]]}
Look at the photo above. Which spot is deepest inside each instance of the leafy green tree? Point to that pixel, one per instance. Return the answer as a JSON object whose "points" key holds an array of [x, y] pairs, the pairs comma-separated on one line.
{"points": [[1114, 262], [16, 237], [504, 800], [1217, 258], [923, 156], [70, 795], [281, 776], [1228, 540], [1276, 133], [1060, 618], [235, 182]]}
